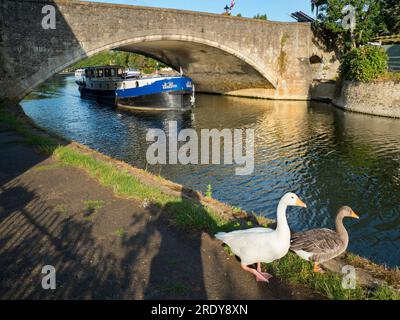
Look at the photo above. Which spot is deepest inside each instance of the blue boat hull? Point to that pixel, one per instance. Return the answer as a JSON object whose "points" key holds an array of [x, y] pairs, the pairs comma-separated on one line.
{"points": [[176, 100], [104, 95], [173, 93], [166, 94]]}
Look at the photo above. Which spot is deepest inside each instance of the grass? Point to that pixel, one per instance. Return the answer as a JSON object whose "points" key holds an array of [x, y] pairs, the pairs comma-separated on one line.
{"points": [[390, 76], [390, 276], [60, 208], [91, 208], [45, 167], [237, 209], [298, 271], [209, 191], [386, 293], [120, 232], [93, 205], [188, 215], [177, 289], [43, 144]]}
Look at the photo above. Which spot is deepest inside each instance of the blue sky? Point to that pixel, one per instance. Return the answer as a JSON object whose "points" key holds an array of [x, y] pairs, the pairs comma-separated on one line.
{"points": [[277, 10]]}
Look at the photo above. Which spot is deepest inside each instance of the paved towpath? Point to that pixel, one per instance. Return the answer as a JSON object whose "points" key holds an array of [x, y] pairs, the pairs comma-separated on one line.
{"points": [[121, 250]]}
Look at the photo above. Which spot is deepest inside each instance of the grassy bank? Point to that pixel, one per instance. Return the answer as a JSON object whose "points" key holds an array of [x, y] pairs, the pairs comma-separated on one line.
{"points": [[187, 214], [295, 270]]}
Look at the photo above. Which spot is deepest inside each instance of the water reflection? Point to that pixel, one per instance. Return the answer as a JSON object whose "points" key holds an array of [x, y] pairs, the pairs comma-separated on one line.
{"points": [[326, 156]]}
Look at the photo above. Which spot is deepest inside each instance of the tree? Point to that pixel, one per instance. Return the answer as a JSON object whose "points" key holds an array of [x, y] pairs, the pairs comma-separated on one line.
{"points": [[390, 13], [315, 4], [124, 59], [260, 16], [239, 15], [368, 21]]}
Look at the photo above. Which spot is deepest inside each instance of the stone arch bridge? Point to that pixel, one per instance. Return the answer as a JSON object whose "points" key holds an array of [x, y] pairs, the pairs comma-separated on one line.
{"points": [[222, 54]]}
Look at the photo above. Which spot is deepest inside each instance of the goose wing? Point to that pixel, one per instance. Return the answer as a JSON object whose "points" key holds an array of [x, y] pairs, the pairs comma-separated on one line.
{"points": [[247, 244], [241, 235], [317, 242]]}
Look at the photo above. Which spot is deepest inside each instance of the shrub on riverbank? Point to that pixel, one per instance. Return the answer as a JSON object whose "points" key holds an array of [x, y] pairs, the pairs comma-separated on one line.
{"points": [[364, 64]]}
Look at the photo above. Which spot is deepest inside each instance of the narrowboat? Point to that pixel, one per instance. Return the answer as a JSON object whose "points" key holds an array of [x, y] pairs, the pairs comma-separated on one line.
{"points": [[129, 89]]}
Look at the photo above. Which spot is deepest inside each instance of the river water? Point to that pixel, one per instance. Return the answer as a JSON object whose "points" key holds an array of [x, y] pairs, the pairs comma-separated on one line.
{"points": [[326, 156]]}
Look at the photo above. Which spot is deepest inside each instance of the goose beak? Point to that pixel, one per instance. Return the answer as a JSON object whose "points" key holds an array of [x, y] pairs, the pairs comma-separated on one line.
{"points": [[353, 215], [300, 203]]}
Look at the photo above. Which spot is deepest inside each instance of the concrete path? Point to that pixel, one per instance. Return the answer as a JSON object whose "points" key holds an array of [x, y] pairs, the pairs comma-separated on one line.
{"points": [[121, 250]]}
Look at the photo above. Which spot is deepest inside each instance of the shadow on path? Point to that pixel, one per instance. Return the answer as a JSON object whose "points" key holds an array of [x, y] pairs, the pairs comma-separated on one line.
{"points": [[123, 249]]}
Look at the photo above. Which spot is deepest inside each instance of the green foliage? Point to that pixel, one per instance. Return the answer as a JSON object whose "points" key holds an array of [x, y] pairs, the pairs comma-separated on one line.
{"points": [[125, 59], [239, 15], [385, 293], [390, 13], [282, 59], [260, 17], [364, 64], [209, 191], [93, 205], [369, 21], [120, 232], [42, 143], [296, 270]]}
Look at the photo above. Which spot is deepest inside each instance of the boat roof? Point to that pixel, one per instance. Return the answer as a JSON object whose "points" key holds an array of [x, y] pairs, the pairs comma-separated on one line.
{"points": [[102, 67]]}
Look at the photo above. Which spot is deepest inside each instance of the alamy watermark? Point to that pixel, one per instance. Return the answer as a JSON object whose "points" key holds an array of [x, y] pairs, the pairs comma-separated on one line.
{"points": [[49, 280], [349, 19], [349, 279], [49, 20], [237, 148]]}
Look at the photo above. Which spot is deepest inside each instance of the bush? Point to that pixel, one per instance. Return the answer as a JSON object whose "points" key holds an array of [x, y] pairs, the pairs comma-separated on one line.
{"points": [[364, 64]]}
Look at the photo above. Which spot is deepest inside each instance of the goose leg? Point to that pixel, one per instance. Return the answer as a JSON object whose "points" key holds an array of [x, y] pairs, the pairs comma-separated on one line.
{"points": [[259, 277], [264, 274], [317, 268]]}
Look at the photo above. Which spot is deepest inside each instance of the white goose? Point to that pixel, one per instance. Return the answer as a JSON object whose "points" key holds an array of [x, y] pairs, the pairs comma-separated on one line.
{"points": [[258, 245]]}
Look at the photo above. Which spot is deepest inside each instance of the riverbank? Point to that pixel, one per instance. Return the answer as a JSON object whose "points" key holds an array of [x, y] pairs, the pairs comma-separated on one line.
{"points": [[378, 98], [181, 209]]}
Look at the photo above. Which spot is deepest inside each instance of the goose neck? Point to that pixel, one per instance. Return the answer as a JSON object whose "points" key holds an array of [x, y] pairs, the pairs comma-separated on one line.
{"points": [[281, 216], [340, 229]]}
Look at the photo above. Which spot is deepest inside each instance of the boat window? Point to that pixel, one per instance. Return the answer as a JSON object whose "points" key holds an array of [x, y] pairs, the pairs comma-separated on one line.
{"points": [[107, 73], [120, 72], [137, 84], [86, 73], [91, 73], [99, 73], [113, 72]]}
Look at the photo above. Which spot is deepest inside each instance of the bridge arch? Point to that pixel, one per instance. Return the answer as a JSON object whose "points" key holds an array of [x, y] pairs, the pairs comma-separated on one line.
{"points": [[154, 46]]}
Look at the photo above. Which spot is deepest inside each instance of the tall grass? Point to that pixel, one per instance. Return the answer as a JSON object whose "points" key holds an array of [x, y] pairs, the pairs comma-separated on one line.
{"points": [[296, 270]]}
